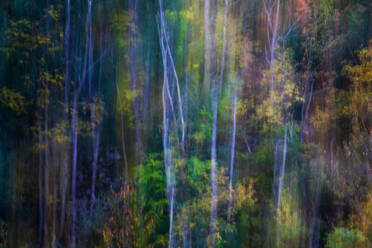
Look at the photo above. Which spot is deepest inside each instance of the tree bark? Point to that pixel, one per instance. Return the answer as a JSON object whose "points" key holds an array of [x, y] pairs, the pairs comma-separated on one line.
{"points": [[232, 156], [64, 171], [133, 77], [215, 100], [74, 126], [41, 204]]}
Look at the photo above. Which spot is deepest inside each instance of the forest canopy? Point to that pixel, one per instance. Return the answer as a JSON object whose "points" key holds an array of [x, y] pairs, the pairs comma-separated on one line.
{"points": [[186, 123]]}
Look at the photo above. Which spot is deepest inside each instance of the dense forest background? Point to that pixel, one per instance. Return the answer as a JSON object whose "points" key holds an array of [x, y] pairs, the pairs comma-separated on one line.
{"points": [[186, 123]]}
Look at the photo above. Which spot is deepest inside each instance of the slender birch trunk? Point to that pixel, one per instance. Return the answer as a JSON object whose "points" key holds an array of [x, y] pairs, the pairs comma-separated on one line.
{"points": [[166, 97], [272, 34], [167, 114], [280, 184]]}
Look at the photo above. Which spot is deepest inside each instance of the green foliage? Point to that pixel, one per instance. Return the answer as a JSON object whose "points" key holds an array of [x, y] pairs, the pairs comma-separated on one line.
{"points": [[198, 174], [13, 100], [327, 175], [326, 10], [291, 225], [284, 94], [361, 90], [194, 213], [362, 219], [345, 238], [138, 211], [151, 179], [120, 26], [204, 130]]}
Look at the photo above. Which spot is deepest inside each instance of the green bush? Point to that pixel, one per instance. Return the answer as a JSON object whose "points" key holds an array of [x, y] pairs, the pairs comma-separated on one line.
{"points": [[345, 238]]}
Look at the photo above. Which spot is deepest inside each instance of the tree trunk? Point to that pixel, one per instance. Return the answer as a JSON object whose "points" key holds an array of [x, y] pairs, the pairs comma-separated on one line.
{"points": [[41, 205], [122, 134], [280, 184], [74, 169], [207, 46], [54, 202], [64, 171], [232, 156], [95, 143], [215, 100], [46, 174], [133, 77]]}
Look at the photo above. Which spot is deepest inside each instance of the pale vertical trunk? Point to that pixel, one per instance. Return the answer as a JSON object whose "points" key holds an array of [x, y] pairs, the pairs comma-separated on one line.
{"points": [[167, 114], [272, 32], [167, 150], [274, 37], [180, 107], [282, 171], [168, 53], [165, 124], [280, 183]]}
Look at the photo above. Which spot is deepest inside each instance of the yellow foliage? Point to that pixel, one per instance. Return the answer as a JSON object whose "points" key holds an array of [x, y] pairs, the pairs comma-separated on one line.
{"points": [[285, 91], [13, 100], [362, 220], [361, 90]]}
